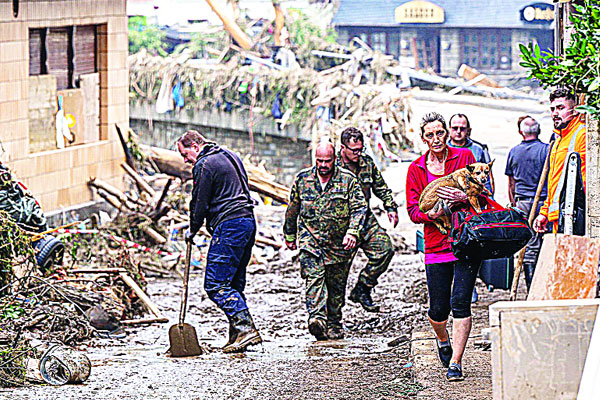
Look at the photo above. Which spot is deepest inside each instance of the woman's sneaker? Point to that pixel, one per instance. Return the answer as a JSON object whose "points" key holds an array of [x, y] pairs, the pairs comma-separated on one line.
{"points": [[444, 350], [454, 372]]}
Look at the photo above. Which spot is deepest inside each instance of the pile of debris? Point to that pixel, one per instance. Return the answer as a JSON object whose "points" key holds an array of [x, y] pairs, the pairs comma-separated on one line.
{"points": [[356, 91]]}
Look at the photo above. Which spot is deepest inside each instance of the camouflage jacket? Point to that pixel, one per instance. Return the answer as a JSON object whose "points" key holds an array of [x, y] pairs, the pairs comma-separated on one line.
{"points": [[371, 180], [324, 217]]}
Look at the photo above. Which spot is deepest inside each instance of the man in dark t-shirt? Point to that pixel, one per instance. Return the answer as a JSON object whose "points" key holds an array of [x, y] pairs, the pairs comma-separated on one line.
{"points": [[524, 168]]}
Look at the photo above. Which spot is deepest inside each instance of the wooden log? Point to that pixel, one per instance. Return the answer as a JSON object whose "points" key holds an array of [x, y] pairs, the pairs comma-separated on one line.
{"points": [[100, 184], [97, 271], [157, 212], [112, 201], [141, 295], [128, 156], [279, 21], [142, 184], [168, 161], [470, 73], [231, 27], [157, 237], [161, 320]]}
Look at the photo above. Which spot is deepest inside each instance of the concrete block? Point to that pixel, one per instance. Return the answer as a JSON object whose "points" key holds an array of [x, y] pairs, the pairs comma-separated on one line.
{"points": [[539, 347], [567, 268]]}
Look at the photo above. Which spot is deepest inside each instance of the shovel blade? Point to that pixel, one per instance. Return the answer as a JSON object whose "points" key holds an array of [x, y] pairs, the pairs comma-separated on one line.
{"points": [[183, 341]]}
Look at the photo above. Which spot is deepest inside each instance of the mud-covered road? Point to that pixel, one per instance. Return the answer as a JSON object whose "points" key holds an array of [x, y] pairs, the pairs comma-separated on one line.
{"points": [[290, 364]]}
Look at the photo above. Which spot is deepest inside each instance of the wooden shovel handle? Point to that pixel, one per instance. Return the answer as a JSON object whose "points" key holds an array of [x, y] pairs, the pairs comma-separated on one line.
{"points": [[186, 278], [536, 201]]}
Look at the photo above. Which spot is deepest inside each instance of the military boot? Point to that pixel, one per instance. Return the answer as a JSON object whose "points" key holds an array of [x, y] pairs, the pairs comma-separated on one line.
{"points": [[335, 333], [246, 333], [318, 328], [362, 294]]}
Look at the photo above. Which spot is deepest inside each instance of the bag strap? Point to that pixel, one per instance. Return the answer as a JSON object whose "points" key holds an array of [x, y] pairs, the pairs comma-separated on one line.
{"points": [[493, 206], [239, 173]]}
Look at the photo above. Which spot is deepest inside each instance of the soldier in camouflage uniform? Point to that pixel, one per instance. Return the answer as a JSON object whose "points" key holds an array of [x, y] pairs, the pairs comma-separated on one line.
{"points": [[373, 240], [326, 210]]}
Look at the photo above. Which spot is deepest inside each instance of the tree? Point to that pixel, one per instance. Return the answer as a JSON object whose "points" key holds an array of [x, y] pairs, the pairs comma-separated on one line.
{"points": [[579, 66], [143, 36]]}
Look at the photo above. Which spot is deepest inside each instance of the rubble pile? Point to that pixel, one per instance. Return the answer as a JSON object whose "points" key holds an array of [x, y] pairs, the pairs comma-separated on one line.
{"points": [[358, 92]]}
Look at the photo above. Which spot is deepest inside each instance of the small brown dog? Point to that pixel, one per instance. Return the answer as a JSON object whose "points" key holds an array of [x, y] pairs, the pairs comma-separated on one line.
{"points": [[470, 180]]}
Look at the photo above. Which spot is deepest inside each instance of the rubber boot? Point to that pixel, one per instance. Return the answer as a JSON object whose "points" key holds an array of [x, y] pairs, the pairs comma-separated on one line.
{"points": [[318, 328], [232, 334], [529, 270], [362, 294], [247, 334]]}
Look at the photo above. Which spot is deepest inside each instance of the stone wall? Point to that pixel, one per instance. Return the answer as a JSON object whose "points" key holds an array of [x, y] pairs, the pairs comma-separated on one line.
{"points": [[284, 151]]}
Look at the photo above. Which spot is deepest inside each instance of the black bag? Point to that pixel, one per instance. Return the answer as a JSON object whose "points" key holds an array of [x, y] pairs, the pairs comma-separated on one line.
{"points": [[497, 273], [495, 233]]}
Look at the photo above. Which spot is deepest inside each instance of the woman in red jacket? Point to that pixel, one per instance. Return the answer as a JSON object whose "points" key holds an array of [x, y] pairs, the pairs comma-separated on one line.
{"points": [[441, 266]]}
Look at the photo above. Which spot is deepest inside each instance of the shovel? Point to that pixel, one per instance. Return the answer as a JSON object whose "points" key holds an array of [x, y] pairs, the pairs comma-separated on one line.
{"points": [[182, 337]]}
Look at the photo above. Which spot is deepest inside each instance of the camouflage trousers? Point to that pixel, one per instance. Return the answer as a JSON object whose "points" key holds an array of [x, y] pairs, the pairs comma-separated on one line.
{"points": [[325, 286], [377, 246]]}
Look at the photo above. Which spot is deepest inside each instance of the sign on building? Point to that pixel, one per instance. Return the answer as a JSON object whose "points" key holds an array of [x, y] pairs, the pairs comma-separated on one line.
{"points": [[538, 13], [419, 12]]}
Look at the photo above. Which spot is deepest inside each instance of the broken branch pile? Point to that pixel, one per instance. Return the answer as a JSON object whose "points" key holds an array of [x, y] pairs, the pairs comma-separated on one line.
{"points": [[351, 94]]}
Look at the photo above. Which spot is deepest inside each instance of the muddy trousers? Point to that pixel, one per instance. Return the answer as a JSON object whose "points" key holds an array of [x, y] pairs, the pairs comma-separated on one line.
{"points": [[228, 256], [377, 246], [325, 286]]}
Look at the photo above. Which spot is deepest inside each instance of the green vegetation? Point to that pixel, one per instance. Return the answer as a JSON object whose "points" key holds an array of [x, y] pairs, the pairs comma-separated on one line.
{"points": [[144, 36], [579, 67]]}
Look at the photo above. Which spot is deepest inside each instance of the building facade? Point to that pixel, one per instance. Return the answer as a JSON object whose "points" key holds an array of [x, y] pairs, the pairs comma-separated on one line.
{"points": [[443, 34], [63, 88]]}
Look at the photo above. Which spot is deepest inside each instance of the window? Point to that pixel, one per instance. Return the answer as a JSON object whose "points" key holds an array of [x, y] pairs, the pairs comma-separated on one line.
{"points": [[487, 49], [63, 68], [65, 52], [378, 41]]}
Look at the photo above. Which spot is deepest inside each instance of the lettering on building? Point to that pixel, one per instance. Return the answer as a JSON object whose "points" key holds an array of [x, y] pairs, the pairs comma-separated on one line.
{"points": [[538, 13], [419, 12]]}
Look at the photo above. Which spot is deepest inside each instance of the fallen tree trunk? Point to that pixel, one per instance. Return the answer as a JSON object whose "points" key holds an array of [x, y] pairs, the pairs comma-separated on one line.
{"points": [[259, 180], [168, 161], [231, 27]]}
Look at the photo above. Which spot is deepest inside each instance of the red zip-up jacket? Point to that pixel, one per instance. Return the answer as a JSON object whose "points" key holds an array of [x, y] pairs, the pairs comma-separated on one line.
{"points": [[416, 180]]}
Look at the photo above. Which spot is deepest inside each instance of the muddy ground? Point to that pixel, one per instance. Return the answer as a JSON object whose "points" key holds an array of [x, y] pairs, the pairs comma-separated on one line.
{"points": [[290, 364]]}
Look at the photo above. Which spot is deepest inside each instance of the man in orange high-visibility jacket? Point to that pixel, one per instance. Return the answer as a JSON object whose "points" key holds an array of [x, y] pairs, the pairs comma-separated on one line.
{"points": [[569, 130]]}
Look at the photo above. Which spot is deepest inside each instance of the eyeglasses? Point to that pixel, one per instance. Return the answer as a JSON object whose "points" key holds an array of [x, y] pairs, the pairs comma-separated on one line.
{"points": [[459, 128], [356, 152], [439, 134]]}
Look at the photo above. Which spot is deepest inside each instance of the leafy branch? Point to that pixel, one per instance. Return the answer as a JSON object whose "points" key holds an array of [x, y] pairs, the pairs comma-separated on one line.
{"points": [[579, 67]]}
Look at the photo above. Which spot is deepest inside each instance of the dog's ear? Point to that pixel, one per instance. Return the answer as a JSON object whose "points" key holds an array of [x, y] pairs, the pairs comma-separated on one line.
{"points": [[491, 163], [471, 168]]}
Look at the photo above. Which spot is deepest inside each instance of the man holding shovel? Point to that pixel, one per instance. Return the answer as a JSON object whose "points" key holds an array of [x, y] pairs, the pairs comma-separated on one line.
{"points": [[221, 197]]}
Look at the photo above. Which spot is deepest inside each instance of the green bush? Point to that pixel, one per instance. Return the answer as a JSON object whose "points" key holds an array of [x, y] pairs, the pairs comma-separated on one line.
{"points": [[579, 67]]}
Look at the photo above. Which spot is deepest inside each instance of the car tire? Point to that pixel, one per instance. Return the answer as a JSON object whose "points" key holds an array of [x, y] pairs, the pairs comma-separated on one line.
{"points": [[50, 252]]}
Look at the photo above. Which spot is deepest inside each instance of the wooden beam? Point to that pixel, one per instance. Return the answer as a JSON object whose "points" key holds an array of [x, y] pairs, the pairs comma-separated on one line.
{"points": [[231, 27]]}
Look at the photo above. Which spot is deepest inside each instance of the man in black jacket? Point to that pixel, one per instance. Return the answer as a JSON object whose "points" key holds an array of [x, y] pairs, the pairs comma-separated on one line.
{"points": [[221, 198]]}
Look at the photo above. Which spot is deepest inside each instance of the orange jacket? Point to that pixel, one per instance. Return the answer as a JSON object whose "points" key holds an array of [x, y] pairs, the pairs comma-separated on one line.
{"points": [[557, 161]]}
